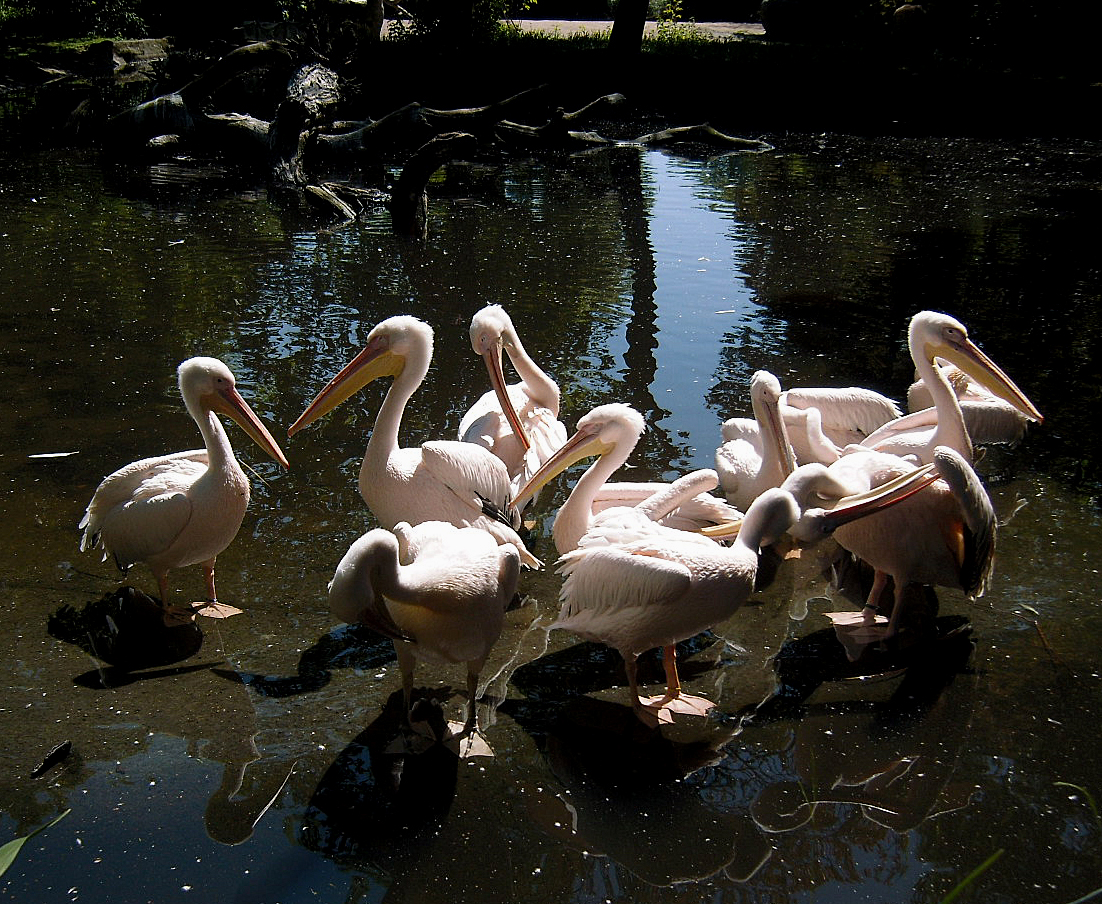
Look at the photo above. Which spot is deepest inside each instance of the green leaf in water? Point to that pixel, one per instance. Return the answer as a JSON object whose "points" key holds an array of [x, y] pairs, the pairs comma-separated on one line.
{"points": [[972, 876], [11, 850], [1086, 794]]}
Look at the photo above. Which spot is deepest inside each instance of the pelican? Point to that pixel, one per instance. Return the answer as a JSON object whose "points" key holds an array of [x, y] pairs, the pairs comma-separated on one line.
{"points": [[519, 422], [942, 537], [181, 509], [611, 433], [987, 418], [438, 591], [445, 480], [848, 414], [746, 471], [662, 586], [934, 335]]}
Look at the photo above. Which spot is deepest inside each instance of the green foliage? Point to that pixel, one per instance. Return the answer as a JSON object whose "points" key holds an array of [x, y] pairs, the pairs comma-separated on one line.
{"points": [[440, 19], [11, 850]]}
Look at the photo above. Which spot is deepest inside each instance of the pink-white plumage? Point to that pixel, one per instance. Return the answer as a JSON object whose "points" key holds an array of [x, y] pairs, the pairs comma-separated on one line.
{"points": [[438, 591], [746, 470], [443, 480], [182, 509]]}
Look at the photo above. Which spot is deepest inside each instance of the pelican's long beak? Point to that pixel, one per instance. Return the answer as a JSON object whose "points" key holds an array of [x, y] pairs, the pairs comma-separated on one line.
{"points": [[582, 444], [228, 401], [376, 360], [779, 432], [968, 357], [849, 508], [492, 357]]}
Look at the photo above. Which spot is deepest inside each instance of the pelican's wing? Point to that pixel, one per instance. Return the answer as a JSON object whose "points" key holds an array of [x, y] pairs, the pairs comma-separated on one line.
{"points": [[979, 520], [481, 425], [473, 473], [851, 408], [741, 428], [602, 582], [136, 530], [148, 480]]}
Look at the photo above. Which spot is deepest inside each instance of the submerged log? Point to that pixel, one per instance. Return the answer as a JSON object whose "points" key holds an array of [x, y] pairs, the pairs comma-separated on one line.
{"points": [[409, 201]]}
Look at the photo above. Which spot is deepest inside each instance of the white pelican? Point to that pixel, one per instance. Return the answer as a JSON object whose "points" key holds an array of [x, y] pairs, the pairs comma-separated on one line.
{"points": [[444, 480], [611, 432], [519, 422], [933, 335], [848, 414], [942, 537], [804, 427], [746, 471], [185, 508], [662, 586], [438, 591], [987, 418]]}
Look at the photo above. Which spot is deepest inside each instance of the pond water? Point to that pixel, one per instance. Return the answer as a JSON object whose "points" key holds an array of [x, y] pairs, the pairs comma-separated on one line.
{"points": [[254, 769]]}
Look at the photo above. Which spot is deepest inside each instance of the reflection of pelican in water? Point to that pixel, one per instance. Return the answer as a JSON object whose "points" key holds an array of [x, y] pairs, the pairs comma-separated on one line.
{"points": [[890, 755], [231, 817], [438, 591], [185, 508], [625, 793]]}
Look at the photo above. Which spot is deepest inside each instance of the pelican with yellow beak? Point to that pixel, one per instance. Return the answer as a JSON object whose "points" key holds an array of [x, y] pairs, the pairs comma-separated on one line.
{"points": [[932, 335], [185, 508], [443, 480]]}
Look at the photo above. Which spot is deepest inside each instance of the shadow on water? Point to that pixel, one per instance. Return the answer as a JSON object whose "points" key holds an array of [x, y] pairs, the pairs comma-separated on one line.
{"points": [[126, 632]]}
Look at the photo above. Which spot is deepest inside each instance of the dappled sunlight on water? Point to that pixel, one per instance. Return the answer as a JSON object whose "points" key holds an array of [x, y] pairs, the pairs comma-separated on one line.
{"points": [[253, 762]]}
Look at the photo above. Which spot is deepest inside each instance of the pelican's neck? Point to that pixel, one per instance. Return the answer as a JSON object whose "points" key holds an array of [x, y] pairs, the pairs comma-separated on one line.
{"points": [[384, 436], [219, 451], [769, 516], [950, 430], [541, 388], [572, 521]]}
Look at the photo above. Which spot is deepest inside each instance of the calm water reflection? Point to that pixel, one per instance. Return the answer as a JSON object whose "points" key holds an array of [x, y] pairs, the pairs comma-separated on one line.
{"points": [[652, 279]]}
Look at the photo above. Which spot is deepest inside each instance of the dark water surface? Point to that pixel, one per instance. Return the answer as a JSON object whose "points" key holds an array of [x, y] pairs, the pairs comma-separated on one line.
{"points": [[652, 279]]}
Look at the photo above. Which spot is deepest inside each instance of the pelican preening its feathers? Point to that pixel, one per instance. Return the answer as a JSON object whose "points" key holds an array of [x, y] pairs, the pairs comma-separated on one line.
{"points": [[519, 422], [181, 509], [438, 591]]}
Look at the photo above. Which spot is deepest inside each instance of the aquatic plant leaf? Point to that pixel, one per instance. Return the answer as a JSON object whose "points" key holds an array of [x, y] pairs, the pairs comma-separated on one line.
{"points": [[11, 850]]}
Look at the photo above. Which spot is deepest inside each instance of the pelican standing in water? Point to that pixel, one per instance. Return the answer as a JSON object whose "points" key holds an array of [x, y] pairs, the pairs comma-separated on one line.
{"points": [[518, 422], [941, 537], [438, 591], [746, 471], [445, 480], [635, 584], [934, 335], [185, 508]]}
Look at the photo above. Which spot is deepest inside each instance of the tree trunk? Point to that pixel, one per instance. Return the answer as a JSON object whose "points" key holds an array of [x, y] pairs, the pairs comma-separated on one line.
{"points": [[626, 40]]}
